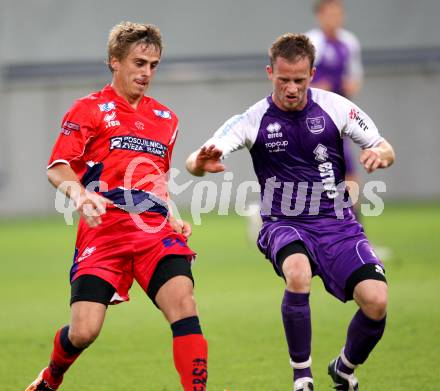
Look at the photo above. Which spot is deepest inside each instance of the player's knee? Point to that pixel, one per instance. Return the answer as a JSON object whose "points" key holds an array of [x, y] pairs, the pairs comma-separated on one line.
{"points": [[297, 272], [298, 279], [375, 305], [180, 307], [186, 305], [83, 337], [379, 308]]}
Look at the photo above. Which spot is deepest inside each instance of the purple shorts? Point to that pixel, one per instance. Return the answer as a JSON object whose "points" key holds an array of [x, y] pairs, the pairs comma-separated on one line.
{"points": [[337, 247]]}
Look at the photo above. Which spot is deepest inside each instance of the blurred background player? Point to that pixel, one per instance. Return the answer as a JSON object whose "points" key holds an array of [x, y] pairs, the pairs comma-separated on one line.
{"points": [[338, 66], [112, 159], [294, 137], [338, 51]]}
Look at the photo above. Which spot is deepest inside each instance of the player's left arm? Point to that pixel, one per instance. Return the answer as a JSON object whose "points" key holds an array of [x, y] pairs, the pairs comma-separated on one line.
{"points": [[380, 156], [179, 226], [376, 151]]}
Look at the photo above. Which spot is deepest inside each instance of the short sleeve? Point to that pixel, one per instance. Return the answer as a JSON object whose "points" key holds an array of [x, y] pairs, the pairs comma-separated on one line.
{"points": [[240, 130], [349, 119], [76, 130], [360, 127]]}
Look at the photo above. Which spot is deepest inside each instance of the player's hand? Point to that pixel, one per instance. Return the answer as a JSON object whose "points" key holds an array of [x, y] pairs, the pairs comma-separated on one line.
{"points": [[371, 159], [208, 159], [180, 226], [91, 206]]}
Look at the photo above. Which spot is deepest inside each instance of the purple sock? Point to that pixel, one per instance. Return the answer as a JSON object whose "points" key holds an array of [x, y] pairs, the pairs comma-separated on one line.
{"points": [[295, 309], [362, 336], [343, 368]]}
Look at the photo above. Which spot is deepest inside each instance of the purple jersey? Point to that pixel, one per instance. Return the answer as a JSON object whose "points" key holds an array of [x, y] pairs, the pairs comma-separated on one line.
{"points": [[349, 159], [298, 156], [336, 59]]}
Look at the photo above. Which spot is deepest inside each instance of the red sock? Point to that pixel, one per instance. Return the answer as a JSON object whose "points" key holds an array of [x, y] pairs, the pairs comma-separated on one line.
{"points": [[62, 357], [191, 361]]}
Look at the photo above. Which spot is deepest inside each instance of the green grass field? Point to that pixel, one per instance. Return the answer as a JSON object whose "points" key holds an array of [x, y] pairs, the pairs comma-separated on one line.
{"points": [[239, 302]]}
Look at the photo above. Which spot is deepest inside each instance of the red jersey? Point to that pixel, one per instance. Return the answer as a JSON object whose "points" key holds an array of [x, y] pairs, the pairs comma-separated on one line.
{"points": [[103, 138]]}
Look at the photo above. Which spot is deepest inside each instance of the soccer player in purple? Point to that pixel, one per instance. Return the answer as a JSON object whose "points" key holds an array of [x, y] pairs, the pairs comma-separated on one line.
{"points": [[338, 51], [295, 138]]}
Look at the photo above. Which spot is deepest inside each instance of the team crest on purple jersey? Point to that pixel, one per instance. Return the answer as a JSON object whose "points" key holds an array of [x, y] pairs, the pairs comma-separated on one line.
{"points": [[316, 125]]}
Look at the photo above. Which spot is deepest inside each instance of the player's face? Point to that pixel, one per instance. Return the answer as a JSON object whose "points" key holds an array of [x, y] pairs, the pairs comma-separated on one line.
{"points": [[290, 82], [133, 74], [331, 18]]}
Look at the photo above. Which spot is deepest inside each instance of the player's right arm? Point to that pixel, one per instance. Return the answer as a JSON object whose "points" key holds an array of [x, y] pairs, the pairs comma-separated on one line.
{"points": [[67, 162], [228, 138], [90, 205], [236, 133]]}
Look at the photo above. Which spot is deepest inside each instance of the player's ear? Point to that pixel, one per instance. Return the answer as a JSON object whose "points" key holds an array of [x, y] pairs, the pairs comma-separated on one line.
{"points": [[269, 71], [114, 64], [312, 73]]}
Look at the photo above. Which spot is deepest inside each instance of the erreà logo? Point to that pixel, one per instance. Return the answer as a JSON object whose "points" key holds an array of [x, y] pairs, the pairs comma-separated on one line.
{"points": [[273, 130]]}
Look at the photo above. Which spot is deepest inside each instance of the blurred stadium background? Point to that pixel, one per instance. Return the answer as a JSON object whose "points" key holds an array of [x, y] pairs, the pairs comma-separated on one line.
{"points": [[52, 52]]}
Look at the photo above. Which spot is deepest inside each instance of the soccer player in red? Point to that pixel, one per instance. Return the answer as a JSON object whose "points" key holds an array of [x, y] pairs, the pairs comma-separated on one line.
{"points": [[112, 159]]}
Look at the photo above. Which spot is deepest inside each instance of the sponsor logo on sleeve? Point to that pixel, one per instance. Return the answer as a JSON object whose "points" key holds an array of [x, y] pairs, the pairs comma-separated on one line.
{"points": [[137, 144], [355, 115], [316, 125], [69, 127], [163, 114], [108, 106]]}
